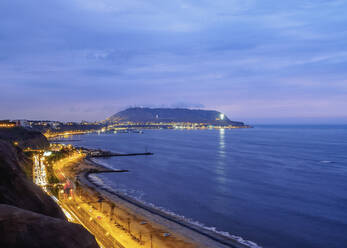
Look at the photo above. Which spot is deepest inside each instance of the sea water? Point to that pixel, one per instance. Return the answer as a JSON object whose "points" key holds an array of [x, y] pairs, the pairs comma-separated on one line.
{"points": [[278, 186]]}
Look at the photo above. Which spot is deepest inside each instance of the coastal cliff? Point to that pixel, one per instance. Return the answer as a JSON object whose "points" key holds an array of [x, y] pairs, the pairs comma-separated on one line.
{"points": [[28, 216], [24, 138], [17, 190]]}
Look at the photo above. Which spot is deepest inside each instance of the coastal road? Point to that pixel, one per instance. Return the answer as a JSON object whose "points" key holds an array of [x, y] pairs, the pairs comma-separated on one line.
{"points": [[106, 233], [77, 212], [101, 236]]}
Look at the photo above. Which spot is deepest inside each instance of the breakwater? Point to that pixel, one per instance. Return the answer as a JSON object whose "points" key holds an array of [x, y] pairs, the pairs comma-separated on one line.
{"points": [[98, 153]]}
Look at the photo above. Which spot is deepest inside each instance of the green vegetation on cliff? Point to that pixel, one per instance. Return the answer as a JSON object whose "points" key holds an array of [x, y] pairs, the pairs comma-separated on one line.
{"points": [[170, 115]]}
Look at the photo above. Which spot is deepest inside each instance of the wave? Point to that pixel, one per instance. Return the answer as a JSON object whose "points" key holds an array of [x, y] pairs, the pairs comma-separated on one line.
{"points": [[123, 190], [326, 162], [96, 180], [102, 163], [138, 196], [239, 239]]}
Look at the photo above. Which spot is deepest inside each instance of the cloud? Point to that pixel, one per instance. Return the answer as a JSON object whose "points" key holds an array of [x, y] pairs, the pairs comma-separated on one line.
{"points": [[187, 105], [218, 53]]}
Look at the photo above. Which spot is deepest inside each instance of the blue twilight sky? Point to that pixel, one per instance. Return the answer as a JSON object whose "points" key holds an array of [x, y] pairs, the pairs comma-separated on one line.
{"points": [[264, 61]]}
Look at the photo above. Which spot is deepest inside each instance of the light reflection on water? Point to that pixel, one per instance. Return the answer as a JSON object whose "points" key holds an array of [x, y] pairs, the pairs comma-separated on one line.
{"points": [[221, 162], [264, 184], [222, 143]]}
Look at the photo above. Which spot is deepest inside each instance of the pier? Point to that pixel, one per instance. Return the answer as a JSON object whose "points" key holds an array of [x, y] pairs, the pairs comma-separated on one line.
{"points": [[92, 153]]}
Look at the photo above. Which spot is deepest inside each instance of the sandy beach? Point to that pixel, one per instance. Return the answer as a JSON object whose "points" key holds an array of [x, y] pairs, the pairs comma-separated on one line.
{"points": [[143, 225]]}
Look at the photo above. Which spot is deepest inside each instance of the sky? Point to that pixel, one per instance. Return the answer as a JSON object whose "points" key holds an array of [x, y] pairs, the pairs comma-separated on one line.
{"points": [[256, 61]]}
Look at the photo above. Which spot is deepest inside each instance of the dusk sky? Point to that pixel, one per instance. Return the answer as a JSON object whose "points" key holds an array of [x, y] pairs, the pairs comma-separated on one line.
{"points": [[260, 61]]}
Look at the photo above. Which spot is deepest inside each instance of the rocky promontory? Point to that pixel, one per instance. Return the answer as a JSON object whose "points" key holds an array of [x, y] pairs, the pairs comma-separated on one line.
{"points": [[172, 115]]}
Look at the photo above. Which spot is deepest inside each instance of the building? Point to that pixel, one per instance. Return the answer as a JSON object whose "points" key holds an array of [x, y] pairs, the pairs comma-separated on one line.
{"points": [[7, 124], [22, 123], [55, 124]]}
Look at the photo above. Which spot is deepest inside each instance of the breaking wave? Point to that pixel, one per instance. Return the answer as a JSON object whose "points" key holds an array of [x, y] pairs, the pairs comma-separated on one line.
{"points": [[102, 163], [326, 162]]}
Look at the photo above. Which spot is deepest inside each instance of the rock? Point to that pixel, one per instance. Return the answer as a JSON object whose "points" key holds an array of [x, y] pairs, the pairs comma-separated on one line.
{"points": [[22, 228]]}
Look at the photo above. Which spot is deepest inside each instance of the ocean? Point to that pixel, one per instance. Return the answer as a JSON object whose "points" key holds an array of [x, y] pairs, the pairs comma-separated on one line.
{"points": [[277, 186]]}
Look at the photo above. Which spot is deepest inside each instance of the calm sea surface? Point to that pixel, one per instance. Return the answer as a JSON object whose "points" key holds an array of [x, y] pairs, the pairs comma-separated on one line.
{"points": [[279, 186]]}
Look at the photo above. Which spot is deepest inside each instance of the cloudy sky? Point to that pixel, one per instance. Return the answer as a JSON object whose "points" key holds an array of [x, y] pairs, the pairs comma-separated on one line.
{"points": [[262, 61]]}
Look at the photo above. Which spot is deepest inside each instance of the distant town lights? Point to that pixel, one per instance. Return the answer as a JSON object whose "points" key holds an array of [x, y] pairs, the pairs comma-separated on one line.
{"points": [[46, 154]]}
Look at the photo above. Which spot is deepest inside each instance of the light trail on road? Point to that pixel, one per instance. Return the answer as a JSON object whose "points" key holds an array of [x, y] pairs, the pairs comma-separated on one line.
{"points": [[77, 211]]}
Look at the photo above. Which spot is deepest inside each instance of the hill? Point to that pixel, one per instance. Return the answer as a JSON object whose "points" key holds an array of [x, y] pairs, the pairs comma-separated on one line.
{"points": [[170, 115]]}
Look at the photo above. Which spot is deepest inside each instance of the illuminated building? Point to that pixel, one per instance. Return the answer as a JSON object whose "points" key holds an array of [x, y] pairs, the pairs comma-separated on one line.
{"points": [[7, 124], [22, 123]]}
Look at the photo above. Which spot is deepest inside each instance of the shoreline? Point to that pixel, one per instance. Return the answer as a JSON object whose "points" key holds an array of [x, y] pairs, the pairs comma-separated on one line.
{"points": [[168, 223], [59, 137]]}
